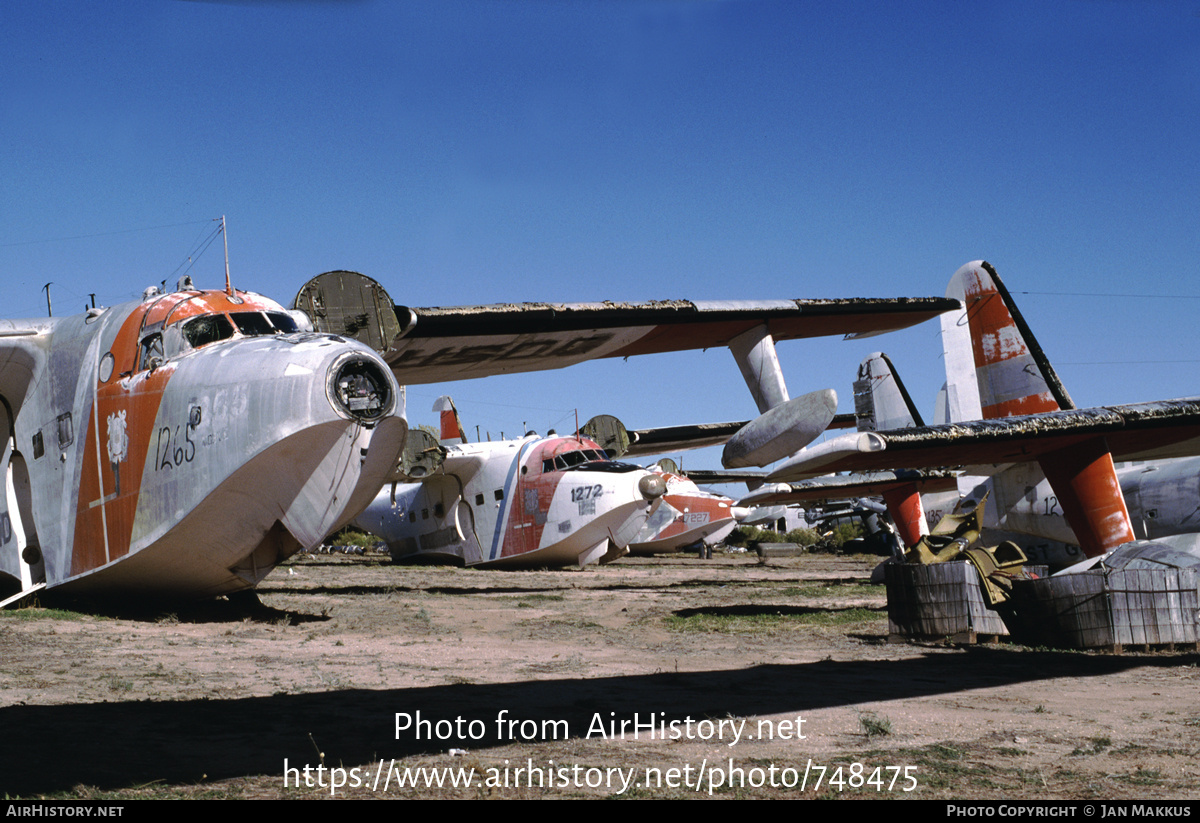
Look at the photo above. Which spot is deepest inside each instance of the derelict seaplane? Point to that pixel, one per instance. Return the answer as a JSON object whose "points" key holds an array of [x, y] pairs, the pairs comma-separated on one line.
{"points": [[1007, 406], [530, 502], [689, 517], [185, 444], [1161, 496]]}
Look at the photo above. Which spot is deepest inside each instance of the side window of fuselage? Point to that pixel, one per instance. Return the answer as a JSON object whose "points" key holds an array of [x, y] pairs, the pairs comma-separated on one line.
{"points": [[151, 355]]}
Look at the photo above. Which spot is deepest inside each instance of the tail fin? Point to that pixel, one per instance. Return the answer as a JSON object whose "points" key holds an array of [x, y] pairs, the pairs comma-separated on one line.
{"points": [[451, 429], [880, 399], [1007, 373], [882, 402]]}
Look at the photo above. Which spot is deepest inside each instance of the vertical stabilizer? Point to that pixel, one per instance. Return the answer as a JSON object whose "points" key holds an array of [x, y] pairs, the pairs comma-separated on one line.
{"points": [[994, 369], [451, 433], [1012, 375], [881, 402]]}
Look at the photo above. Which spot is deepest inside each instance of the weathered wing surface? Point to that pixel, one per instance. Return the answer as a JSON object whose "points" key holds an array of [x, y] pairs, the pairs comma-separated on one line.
{"points": [[842, 486], [698, 436], [439, 344], [1139, 431], [680, 438], [704, 477]]}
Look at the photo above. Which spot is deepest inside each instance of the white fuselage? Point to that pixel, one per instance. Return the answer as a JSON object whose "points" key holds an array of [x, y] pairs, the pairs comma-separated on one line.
{"points": [[510, 503]]}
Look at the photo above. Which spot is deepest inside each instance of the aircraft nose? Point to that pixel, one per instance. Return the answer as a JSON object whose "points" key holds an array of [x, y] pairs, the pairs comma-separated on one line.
{"points": [[740, 513], [652, 486], [360, 387]]}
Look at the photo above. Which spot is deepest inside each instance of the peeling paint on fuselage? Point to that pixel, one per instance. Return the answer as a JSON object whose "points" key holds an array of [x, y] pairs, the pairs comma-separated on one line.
{"points": [[134, 453], [529, 502]]}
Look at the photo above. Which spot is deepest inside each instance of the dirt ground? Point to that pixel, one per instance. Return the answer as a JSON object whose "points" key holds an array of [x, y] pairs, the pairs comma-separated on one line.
{"points": [[768, 678]]}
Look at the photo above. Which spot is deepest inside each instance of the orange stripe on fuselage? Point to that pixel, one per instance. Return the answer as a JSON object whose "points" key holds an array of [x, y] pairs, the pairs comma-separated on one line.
{"points": [[130, 400], [534, 492], [131, 404]]}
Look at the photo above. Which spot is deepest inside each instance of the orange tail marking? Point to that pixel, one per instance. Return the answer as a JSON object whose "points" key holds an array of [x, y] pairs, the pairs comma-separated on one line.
{"points": [[1002, 358]]}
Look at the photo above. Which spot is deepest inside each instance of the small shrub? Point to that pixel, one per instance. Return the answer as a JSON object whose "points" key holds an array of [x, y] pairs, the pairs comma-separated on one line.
{"points": [[875, 726]]}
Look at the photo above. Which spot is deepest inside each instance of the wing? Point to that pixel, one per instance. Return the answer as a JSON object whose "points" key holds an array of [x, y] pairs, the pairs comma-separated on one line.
{"points": [[669, 439], [840, 487], [1140, 431], [705, 477], [438, 344], [680, 438]]}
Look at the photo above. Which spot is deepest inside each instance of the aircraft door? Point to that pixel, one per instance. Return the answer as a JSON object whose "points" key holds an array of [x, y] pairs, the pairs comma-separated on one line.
{"points": [[464, 521], [523, 507]]}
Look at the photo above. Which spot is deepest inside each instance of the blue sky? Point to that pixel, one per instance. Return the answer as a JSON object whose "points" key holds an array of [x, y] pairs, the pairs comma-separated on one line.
{"points": [[479, 152]]}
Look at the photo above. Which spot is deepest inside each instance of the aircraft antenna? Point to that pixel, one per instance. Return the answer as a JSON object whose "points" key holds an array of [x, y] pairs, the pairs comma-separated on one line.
{"points": [[225, 237], [46, 289]]}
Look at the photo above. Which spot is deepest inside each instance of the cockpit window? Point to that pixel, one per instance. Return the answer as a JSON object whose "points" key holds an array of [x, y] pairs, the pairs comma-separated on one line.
{"points": [[209, 328], [254, 323], [283, 323], [572, 459], [606, 466], [202, 330]]}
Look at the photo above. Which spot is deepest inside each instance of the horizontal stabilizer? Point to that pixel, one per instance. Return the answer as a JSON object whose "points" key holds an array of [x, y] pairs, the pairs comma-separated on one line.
{"points": [[782, 431], [680, 438], [620, 442]]}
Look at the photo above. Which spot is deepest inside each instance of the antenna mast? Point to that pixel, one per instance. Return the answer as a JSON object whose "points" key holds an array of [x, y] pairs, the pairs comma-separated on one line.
{"points": [[225, 237]]}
